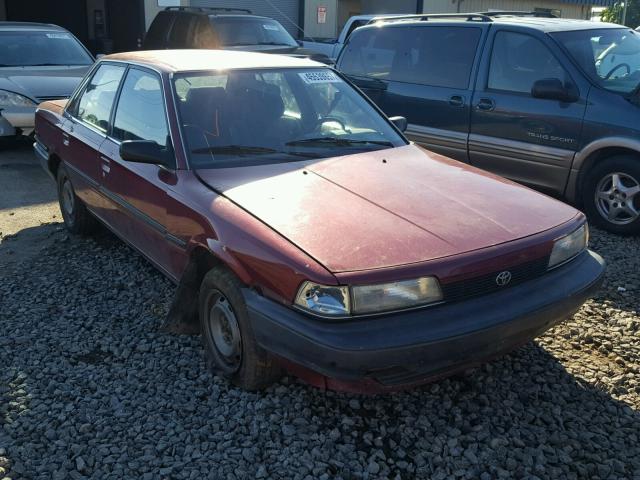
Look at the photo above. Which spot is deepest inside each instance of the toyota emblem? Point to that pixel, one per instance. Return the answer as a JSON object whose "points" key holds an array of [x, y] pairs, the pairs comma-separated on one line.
{"points": [[503, 278]]}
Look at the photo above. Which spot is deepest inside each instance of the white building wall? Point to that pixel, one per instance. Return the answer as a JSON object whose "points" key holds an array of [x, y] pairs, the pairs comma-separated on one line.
{"points": [[568, 10], [314, 29]]}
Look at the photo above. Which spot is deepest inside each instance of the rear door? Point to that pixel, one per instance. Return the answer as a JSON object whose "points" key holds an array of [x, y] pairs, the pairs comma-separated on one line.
{"points": [[427, 80], [84, 131], [513, 134], [138, 191]]}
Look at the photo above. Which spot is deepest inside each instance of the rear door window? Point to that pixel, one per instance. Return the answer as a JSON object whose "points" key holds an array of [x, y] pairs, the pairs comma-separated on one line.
{"points": [[95, 104], [436, 56], [518, 60], [140, 114]]}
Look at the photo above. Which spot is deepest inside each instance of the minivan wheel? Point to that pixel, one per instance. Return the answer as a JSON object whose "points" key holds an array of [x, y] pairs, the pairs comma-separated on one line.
{"points": [[611, 195], [230, 347], [76, 217]]}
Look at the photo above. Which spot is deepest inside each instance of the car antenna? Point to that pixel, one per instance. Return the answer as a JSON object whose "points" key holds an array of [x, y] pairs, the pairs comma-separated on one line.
{"points": [[304, 35]]}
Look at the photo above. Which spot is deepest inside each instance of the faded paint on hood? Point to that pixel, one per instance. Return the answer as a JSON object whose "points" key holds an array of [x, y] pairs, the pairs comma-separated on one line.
{"points": [[387, 208]]}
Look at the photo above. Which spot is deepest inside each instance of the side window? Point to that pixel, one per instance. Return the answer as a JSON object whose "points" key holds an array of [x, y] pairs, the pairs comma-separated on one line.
{"points": [[95, 103], [354, 25], [437, 56], [180, 36], [369, 53], [519, 60], [140, 114]]}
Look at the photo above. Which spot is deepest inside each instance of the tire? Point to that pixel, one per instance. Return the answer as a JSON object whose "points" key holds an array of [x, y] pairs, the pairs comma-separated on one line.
{"points": [[611, 195], [231, 350], [76, 217]]}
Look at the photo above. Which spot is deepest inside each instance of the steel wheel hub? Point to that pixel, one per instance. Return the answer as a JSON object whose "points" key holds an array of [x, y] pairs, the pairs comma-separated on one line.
{"points": [[617, 198], [68, 198], [224, 331]]}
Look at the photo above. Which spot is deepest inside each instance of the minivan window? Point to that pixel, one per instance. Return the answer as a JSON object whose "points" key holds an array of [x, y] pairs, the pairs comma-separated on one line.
{"points": [[610, 57], [41, 48], [518, 61], [140, 111], [435, 56], [244, 30], [95, 103]]}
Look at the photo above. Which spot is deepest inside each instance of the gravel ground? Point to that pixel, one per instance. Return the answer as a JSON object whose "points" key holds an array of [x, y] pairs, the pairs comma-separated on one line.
{"points": [[90, 388]]}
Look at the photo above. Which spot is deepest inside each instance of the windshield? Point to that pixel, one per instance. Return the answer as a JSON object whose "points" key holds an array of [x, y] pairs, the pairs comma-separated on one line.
{"points": [[609, 56], [41, 48], [239, 31], [253, 117]]}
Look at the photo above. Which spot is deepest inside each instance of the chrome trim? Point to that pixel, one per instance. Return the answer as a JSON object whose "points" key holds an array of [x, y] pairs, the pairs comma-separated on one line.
{"points": [[41, 150], [143, 217]]}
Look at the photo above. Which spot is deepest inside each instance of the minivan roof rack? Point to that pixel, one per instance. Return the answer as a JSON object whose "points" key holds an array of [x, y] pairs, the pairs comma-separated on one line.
{"points": [[210, 9], [469, 17], [516, 13]]}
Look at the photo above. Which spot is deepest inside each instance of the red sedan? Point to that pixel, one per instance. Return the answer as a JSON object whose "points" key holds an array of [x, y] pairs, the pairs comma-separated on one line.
{"points": [[301, 226]]}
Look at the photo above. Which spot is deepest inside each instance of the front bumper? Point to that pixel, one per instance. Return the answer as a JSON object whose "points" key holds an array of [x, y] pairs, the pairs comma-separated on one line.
{"points": [[18, 120], [416, 346]]}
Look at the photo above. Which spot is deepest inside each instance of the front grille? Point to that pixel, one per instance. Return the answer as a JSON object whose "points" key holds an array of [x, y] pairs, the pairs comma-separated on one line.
{"points": [[485, 284]]}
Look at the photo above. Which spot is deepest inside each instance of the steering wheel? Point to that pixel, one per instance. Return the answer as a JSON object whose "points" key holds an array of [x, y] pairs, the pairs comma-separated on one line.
{"points": [[626, 65], [323, 120]]}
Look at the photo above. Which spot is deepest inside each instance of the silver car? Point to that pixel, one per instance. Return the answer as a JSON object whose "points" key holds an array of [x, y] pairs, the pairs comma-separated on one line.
{"points": [[38, 62]]}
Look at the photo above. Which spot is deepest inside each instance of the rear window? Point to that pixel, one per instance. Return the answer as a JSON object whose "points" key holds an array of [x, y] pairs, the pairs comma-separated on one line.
{"points": [[435, 56], [244, 30]]}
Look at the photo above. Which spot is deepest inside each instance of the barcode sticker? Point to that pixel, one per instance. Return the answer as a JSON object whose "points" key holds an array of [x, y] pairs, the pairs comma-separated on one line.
{"points": [[266, 26], [58, 35], [320, 77]]}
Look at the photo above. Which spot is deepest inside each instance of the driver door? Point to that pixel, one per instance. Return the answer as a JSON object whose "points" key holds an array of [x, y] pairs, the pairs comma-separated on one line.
{"points": [[530, 140]]}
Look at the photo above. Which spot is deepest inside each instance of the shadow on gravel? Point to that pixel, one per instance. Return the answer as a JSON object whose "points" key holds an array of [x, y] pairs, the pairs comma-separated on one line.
{"points": [[89, 388]]}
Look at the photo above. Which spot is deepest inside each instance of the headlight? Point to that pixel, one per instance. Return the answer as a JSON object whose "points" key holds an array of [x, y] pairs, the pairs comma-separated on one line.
{"points": [[569, 246], [10, 99], [396, 296], [366, 299], [332, 301]]}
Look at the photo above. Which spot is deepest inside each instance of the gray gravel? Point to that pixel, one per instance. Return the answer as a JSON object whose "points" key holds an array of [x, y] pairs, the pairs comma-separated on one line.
{"points": [[90, 388]]}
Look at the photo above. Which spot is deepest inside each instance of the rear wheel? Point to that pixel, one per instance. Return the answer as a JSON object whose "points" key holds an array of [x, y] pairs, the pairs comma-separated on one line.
{"points": [[230, 346], [76, 217], [611, 195]]}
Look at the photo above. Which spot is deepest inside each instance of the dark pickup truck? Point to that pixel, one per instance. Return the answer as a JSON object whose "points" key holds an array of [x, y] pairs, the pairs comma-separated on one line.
{"points": [[549, 102]]}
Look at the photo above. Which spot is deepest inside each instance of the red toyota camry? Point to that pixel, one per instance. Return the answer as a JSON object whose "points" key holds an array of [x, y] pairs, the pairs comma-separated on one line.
{"points": [[303, 229]]}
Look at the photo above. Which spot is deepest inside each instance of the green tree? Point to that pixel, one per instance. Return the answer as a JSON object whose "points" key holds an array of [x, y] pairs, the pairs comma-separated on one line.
{"points": [[614, 13]]}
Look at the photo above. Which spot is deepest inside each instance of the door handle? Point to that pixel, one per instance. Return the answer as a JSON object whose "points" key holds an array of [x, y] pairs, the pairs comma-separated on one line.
{"points": [[486, 104], [456, 101], [105, 164], [65, 139]]}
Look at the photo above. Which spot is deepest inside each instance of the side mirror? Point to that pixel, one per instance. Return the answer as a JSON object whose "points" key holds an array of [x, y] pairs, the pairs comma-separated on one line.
{"points": [[146, 151], [553, 89], [399, 122]]}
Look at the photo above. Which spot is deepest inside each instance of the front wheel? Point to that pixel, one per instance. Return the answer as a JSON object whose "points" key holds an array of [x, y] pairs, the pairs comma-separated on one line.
{"points": [[611, 195], [230, 346]]}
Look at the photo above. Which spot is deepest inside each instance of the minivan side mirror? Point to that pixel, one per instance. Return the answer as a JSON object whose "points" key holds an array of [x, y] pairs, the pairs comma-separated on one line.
{"points": [[399, 122], [553, 89], [146, 151]]}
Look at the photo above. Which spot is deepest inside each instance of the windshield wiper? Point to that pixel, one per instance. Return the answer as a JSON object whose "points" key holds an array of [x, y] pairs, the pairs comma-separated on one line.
{"points": [[276, 43], [236, 149], [337, 141], [242, 150]]}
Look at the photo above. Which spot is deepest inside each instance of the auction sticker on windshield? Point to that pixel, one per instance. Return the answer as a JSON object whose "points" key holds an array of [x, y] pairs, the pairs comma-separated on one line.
{"points": [[320, 77], [58, 35]]}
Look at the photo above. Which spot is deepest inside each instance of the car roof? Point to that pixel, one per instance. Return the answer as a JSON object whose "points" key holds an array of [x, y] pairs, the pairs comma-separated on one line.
{"points": [[543, 24], [189, 60], [29, 26]]}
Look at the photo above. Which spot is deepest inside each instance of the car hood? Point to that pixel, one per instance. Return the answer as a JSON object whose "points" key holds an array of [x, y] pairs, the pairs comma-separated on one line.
{"points": [[387, 208], [41, 83]]}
